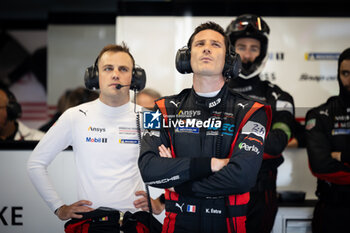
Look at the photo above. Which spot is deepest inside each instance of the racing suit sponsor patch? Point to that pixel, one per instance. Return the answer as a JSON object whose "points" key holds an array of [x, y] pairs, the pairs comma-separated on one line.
{"points": [[151, 133], [254, 128], [187, 130], [191, 208], [310, 124], [341, 132], [128, 141], [127, 131], [282, 105], [248, 148]]}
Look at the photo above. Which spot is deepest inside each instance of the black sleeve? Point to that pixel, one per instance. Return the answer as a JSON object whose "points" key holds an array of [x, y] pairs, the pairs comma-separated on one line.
{"points": [[345, 156], [282, 128], [299, 134], [319, 149], [167, 172], [239, 176]]}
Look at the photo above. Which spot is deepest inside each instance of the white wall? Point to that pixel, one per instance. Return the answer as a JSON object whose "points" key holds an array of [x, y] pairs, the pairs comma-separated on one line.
{"points": [[17, 191], [71, 49]]}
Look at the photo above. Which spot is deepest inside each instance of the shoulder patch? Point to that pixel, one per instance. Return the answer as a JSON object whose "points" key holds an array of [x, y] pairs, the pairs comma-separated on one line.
{"points": [[255, 128], [310, 124], [282, 105]]}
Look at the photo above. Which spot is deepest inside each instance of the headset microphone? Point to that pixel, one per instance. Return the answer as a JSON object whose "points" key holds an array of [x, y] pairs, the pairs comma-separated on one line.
{"points": [[119, 86]]}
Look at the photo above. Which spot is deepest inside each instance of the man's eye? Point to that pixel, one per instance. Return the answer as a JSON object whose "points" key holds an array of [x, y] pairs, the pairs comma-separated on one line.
{"points": [[108, 69], [124, 69], [345, 73]]}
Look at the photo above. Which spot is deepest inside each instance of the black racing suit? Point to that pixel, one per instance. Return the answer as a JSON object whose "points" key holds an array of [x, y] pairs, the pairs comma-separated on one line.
{"points": [[262, 207], [205, 201], [328, 130]]}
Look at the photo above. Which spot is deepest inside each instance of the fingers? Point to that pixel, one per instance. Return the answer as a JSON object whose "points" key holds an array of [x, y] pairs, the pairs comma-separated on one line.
{"points": [[141, 203], [164, 151], [82, 202], [72, 211], [157, 206], [141, 193]]}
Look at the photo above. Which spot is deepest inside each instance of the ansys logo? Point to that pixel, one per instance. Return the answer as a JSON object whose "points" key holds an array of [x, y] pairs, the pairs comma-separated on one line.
{"points": [[99, 130]]}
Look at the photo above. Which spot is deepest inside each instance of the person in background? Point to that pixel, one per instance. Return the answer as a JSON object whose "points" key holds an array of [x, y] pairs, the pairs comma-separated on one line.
{"points": [[11, 128], [68, 99], [104, 136], [249, 35], [147, 97], [328, 148], [207, 169]]}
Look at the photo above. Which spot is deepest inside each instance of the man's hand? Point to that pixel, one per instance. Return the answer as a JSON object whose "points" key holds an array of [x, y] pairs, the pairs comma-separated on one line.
{"points": [[142, 203], [164, 151], [336, 155], [66, 212], [217, 164]]}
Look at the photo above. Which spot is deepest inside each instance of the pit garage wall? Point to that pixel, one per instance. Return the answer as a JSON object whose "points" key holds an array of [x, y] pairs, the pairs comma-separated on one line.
{"points": [[23, 211]]}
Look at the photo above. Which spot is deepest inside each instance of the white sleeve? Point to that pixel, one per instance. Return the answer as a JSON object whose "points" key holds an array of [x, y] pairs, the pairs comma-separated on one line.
{"points": [[58, 138]]}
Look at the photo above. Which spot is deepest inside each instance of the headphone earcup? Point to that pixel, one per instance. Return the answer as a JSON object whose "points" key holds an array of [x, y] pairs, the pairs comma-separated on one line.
{"points": [[233, 64], [138, 80], [14, 110], [183, 61], [91, 78]]}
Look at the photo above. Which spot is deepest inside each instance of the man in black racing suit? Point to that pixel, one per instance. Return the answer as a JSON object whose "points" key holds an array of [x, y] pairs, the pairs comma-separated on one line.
{"points": [[209, 145], [249, 34], [328, 148]]}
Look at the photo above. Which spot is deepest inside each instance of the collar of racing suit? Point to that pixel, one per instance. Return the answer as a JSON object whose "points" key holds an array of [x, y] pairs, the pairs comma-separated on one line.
{"points": [[240, 82], [210, 102]]}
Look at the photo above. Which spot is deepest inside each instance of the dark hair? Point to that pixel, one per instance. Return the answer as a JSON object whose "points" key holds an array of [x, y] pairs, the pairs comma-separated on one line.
{"points": [[116, 48], [209, 26], [10, 96]]}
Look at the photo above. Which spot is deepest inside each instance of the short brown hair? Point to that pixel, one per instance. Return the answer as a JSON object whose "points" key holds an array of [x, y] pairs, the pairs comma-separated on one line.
{"points": [[209, 26], [116, 48]]}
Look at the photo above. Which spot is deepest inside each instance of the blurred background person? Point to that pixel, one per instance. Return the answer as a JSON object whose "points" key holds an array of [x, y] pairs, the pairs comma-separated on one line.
{"points": [[68, 99], [146, 98], [249, 34], [11, 129], [328, 149]]}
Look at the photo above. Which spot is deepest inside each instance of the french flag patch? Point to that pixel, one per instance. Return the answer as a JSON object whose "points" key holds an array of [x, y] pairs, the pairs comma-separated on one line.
{"points": [[191, 208]]}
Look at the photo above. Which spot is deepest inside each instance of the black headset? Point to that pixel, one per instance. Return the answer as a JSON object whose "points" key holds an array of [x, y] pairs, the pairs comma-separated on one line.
{"points": [[138, 80], [13, 108], [232, 66]]}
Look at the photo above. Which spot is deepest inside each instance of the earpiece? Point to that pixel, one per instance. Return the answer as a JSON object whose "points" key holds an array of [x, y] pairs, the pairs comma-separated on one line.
{"points": [[13, 108], [232, 66], [183, 60], [138, 80]]}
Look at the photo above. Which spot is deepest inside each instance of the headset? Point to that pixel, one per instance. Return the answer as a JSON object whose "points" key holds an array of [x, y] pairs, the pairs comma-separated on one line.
{"points": [[13, 108], [232, 66], [138, 80]]}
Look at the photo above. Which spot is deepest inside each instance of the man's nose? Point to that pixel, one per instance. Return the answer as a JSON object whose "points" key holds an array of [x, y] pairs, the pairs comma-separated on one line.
{"points": [[115, 74], [207, 49], [246, 56]]}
